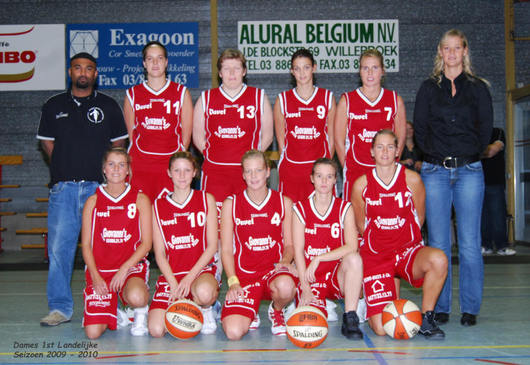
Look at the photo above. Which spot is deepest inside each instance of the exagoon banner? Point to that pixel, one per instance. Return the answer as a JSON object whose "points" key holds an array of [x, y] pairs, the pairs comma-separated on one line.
{"points": [[32, 57], [335, 44], [118, 49]]}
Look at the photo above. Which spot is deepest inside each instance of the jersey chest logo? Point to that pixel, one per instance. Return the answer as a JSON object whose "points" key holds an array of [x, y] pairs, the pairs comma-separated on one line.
{"points": [[95, 115]]}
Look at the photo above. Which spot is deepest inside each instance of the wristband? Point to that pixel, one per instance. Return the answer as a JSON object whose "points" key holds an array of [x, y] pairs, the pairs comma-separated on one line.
{"points": [[232, 280]]}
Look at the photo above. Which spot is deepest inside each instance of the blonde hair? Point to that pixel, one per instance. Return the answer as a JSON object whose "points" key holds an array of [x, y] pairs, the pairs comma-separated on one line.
{"points": [[231, 54], [255, 154], [466, 62]]}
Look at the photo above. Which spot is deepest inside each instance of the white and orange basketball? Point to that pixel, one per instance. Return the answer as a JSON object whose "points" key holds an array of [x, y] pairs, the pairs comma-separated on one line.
{"points": [[184, 319], [307, 327], [401, 319]]}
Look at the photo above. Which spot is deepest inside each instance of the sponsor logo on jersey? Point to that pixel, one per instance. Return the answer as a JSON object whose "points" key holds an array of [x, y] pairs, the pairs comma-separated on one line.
{"points": [[183, 242], [358, 116], [372, 110], [244, 222], [311, 252], [293, 115], [102, 301], [95, 115], [389, 223], [168, 222], [230, 133], [305, 133], [103, 214], [61, 115], [312, 231], [374, 202], [157, 124], [260, 244], [217, 111], [115, 236], [142, 107], [367, 136]]}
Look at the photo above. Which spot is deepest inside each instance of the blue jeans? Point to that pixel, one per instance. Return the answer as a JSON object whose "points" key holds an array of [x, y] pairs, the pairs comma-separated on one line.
{"points": [[494, 218], [65, 211], [463, 188]]}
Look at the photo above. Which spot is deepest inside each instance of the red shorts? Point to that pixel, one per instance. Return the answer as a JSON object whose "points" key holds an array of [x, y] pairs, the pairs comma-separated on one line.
{"points": [[352, 173], [161, 296], [151, 177], [325, 287], [221, 181], [248, 305], [295, 180], [102, 309], [379, 272]]}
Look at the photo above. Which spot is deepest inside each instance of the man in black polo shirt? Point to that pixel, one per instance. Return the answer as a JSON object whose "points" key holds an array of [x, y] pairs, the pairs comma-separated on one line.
{"points": [[76, 128]]}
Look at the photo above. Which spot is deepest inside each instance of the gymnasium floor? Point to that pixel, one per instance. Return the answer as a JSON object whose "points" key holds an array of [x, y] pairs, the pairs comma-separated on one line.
{"points": [[502, 335]]}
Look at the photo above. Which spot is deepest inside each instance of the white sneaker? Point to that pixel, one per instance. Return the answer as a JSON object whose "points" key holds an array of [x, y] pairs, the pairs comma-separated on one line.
{"points": [[209, 325], [287, 311], [254, 325], [486, 251], [217, 310], [277, 321], [507, 251], [123, 319], [330, 308], [361, 310], [139, 327]]}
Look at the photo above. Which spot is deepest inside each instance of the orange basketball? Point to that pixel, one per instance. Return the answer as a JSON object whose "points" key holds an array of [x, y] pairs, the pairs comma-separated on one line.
{"points": [[184, 319], [401, 319], [307, 327]]}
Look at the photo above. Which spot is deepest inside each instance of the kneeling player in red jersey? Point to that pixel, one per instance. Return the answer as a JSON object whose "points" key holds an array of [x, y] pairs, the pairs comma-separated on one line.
{"points": [[325, 246], [389, 205], [116, 237], [256, 251], [185, 242]]}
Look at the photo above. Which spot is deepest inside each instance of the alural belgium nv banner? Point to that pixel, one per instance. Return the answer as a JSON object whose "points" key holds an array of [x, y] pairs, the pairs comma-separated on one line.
{"points": [[336, 44], [32, 57]]}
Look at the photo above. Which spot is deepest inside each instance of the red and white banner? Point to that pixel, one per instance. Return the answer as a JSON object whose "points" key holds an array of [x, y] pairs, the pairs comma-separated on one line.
{"points": [[32, 57]]}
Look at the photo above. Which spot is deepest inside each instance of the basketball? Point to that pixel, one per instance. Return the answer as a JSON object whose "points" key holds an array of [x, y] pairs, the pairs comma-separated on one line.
{"points": [[184, 319], [401, 319], [307, 327]]}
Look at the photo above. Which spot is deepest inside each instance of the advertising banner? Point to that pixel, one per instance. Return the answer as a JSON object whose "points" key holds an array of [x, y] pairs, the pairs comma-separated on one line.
{"points": [[118, 49], [32, 57], [335, 44]]}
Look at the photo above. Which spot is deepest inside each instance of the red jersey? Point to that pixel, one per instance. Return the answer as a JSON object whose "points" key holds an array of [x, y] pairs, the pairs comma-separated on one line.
{"points": [[233, 125], [183, 229], [391, 221], [157, 124], [258, 237], [115, 229], [365, 119], [306, 132], [323, 233]]}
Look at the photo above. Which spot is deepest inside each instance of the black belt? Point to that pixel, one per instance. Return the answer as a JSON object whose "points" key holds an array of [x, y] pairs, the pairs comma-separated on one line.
{"points": [[452, 162]]}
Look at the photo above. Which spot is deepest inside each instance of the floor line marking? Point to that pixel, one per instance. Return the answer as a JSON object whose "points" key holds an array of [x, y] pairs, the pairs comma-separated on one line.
{"points": [[409, 348]]}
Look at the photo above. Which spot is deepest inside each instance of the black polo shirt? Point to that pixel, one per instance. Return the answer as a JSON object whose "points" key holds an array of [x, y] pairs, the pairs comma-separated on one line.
{"points": [[82, 129]]}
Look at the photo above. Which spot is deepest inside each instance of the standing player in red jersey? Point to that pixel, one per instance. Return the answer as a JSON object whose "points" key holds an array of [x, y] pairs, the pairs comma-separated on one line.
{"points": [[257, 251], [325, 248], [363, 112], [116, 237], [389, 205], [158, 115], [185, 241], [227, 122], [303, 121]]}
